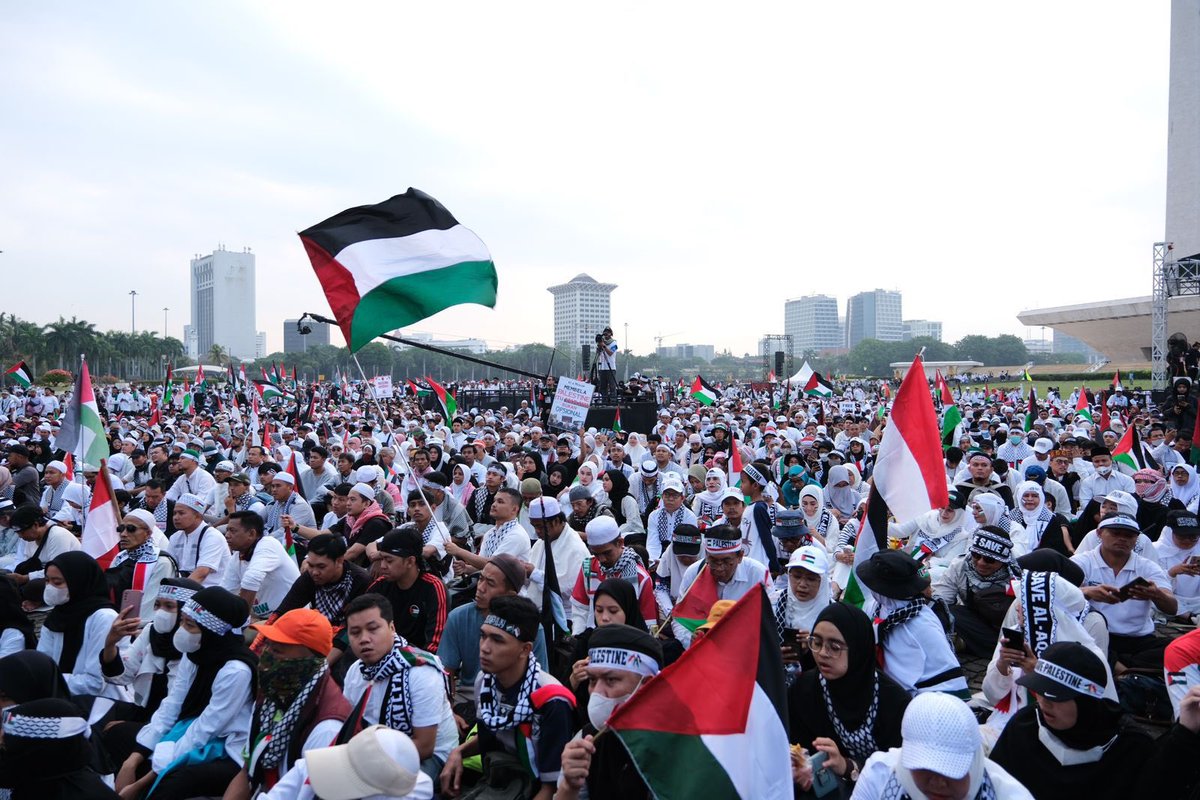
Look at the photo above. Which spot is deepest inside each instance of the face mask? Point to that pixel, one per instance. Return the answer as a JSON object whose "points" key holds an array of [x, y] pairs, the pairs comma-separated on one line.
{"points": [[282, 679], [55, 595], [600, 708], [185, 641], [1105, 471], [164, 621]]}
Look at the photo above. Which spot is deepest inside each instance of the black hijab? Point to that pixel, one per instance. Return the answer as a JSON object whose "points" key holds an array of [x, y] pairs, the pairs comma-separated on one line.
{"points": [[623, 592], [852, 693], [87, 593], [620, 488], [217, 649], [31, 675], [12, 615], [49, 768]]}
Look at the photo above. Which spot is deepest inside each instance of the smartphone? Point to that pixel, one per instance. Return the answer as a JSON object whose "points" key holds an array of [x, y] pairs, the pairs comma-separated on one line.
{"points": [[131, 598], [1015, 638], [1124, 592], [792, 639], [824, 781], [1193, 561]]}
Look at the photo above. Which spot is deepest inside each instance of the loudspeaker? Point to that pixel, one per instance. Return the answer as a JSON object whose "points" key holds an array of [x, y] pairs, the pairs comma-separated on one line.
{"points": [[779, 363], [587, 358]]}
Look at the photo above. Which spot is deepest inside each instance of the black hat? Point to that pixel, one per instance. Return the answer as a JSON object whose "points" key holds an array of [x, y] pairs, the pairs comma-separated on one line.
{"points": [[1046, 560], [789, 524], [685, 540], [1067, 671], [625, 647], [1183, 522], [1100, 450], [26, 516], [894, 574], [19, 449], [213, 605], [404, 541], [958, 498]]}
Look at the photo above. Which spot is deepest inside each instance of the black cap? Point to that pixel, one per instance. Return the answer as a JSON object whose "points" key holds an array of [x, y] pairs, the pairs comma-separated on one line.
{"points": [[1067, 671], [1046, 560], [894, 574], [1183, 522], [685, 540], [404, 541], [19, 449]]}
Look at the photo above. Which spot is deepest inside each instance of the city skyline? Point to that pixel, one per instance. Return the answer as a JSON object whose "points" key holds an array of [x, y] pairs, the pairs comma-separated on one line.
{"points": [[605, 181]]}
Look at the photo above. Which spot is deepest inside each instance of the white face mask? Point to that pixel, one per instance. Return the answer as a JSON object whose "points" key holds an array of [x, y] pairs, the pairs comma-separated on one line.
{"points": [[600, 708], [164, 621], [1104, 470], [55, 595], [185, 641]]}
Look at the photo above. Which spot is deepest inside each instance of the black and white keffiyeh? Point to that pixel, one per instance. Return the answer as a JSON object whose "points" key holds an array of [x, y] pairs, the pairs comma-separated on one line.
{"points": [[144, 553], [393, 668], [160, 514], [625, 568], [279, 728], [331, 600], [859, 743], [499, 716], [277, 510], [667, 523], [491, 542], [906, 612], [895, 791]]}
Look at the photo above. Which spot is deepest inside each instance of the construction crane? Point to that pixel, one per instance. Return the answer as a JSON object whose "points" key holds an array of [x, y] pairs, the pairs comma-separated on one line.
{"points": [[658, 340]]}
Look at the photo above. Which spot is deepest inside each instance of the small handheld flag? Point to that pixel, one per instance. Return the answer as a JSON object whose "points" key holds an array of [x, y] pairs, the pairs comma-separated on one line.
{"points": [[20, 373]]}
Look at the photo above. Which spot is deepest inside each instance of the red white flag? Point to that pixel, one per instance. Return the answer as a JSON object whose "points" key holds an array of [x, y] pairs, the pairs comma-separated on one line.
{"points": [[100, 531]]}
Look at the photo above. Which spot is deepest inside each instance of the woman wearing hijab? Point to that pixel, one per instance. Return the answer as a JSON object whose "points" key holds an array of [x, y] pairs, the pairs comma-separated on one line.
{"points": [[16, 631], [938, 532], [532, 467], [1043, 528], [146, 665], [30, 675], [461, 487], [622, 504], [586, 476], [706, 505], [558, 479], [1185, 486], [47, 755], [78, 624], [1073, 741], [616, 604], [816, 516], [846, 707], [988, 508], [841, 497], [859, 455], [1150, 485], [193, 745], [806, 592]]}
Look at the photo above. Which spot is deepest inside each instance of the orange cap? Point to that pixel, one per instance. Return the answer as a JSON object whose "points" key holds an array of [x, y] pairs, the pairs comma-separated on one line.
{"points": [[303, 626]]}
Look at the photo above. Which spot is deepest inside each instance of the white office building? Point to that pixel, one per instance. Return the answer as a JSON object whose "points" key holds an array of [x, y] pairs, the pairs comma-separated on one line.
{"points": [[812, 322], [581, 310], [874, 315], [223, 303], [922, 328]]}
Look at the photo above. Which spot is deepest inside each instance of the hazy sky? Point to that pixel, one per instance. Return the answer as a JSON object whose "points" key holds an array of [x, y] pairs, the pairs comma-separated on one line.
{"points": [[713, 160]]}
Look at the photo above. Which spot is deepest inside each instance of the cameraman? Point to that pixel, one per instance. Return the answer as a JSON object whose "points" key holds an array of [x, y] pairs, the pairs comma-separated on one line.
{"points": [[606, 363]]}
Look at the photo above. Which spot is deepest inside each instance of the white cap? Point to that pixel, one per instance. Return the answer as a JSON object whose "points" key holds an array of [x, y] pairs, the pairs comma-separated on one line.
{"points": [[378, 761], [367, 473], [671, 483], [192, 501], [544, 508], [1043, 446], [365, 490], [222, 466], [58, 465], [940, 734], [733, 493], [284, 477], [602, 530], [811, 558], [1123, 501]]}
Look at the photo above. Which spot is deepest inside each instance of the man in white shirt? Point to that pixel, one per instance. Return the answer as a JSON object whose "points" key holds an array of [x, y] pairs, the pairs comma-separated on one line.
{"points": [[1126, 588], [1105, 478], [40, 543], [260, 571], [200, 551], [506, 536], [567, 550], [192, 480], [287, 510]]}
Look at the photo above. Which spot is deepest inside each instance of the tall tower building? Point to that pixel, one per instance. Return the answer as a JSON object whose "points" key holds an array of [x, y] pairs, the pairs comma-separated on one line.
{"points": [[812, 322], [581, 310], [223, 302], [874, 315], [1183, 130]]}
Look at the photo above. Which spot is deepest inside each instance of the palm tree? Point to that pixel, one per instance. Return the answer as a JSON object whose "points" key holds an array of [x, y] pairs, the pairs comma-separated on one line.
{"points": [[217, 355]]}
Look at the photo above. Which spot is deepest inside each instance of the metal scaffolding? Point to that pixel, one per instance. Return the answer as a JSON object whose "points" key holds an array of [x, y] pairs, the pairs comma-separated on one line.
{"points": [[1172, 278]]}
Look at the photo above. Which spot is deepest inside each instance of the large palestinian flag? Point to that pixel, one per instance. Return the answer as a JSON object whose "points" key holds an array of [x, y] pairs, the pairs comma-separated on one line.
{"points": [[445, 399], [20, 373], [389, 265], [704, 393], [714, 723], [82, 429]]}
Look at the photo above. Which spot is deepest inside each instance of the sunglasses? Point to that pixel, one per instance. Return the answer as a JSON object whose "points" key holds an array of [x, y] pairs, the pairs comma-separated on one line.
{"points": [[985, 559], [128, 529]]}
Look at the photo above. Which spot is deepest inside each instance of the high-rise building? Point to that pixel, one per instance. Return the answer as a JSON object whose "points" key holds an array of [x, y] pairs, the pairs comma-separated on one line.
{"points": [[701, 352], [296, 342], [581, 310], [1183, 129], [223, 302], [1065, 343], [874, 315], [189, 342], [922, 328], [260, 344], [812, 322]]}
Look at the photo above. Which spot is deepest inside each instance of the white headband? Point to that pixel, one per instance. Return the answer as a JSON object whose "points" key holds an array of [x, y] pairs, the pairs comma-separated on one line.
{"points": [[619, 658]]}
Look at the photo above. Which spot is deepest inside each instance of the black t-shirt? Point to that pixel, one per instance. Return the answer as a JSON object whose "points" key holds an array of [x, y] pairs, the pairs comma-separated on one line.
{"points": [[555, 727], [420, 610]]}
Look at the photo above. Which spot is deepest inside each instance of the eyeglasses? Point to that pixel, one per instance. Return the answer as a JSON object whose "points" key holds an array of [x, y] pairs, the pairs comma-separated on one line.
{"points": [[127, 529], [816, 644], [985, 559]]}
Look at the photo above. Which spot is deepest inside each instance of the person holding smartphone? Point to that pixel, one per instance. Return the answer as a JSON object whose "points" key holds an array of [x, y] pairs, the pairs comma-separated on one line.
{"points": [[807, 593], [1179, 554]]}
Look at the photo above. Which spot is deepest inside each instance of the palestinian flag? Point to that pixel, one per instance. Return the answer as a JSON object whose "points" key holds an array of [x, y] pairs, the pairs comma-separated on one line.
{"points": [[82, 429], [731, 744], [100, 539], [416, 390], [187, 398], [1082, 409], [704, 394], [1130, 453], [20, 373], [734, 478], [1031, 409], [771, 376], [389, 265], [270, 390], [616, 426], [69, 461], [692, 609], [1195, 454], [200, 377], [951, 415], [818, 386], [909, 474], [445, 399], [1116, 381]]}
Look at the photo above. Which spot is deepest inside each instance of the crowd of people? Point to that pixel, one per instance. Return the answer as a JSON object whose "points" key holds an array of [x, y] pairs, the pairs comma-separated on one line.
{"points": [[344, 597]]}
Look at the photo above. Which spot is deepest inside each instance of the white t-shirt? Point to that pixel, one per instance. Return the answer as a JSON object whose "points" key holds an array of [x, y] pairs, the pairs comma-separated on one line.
{"points": [[214, 552], [59, 540], [269, 573], [199, 483], [430, 704], [1131, 617]]}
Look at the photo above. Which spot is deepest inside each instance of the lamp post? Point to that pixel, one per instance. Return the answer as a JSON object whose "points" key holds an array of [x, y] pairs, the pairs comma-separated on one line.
{"points": [[165, 310], [133, 312]]}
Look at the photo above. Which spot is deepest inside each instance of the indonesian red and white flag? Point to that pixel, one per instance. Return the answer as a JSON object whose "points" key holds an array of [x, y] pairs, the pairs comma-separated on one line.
{"points": [[100, 530]]}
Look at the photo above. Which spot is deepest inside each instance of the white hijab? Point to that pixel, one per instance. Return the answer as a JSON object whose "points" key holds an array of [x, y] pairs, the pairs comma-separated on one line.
{"points": [[1190, 490], [802, 614], [816, 493]]}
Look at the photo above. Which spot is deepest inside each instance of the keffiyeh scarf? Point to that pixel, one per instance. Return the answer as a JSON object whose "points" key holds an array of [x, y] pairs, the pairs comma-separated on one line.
{"points": [[331, 600], [499, 716], [397, 708], [859, 743], [895, 791], [491, 542], [279, 728], [625, 568], [901, 615], [667, 523]]}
